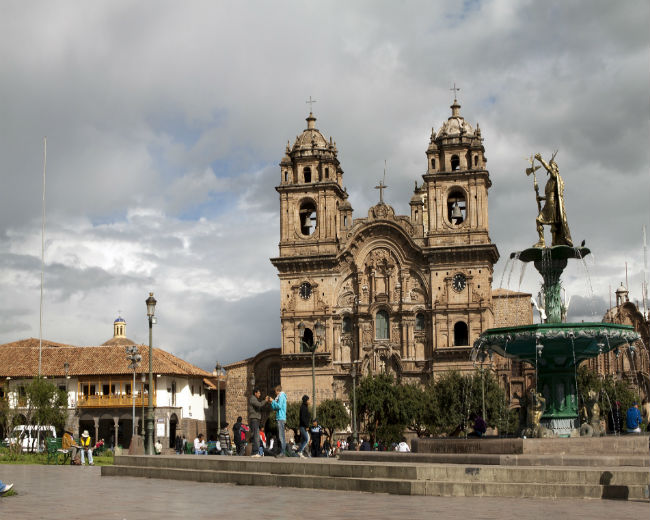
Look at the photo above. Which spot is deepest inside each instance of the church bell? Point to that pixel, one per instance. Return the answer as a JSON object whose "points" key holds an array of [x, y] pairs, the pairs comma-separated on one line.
{"points": [[456, 213]]}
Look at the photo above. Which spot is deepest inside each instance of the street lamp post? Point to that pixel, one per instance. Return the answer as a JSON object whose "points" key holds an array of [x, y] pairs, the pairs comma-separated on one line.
{"points": [[355, 432], [481, 371], [320, 332], [151, 307], [135, 358], [143, 379], [217, 374]]}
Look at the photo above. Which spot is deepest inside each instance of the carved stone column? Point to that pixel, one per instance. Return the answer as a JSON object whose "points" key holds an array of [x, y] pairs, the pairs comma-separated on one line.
{"points": [[96, 421]]}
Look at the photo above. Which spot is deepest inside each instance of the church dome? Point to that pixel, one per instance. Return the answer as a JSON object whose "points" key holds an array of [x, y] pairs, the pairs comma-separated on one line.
{"points": [[119, 320], [311, 137], [345, 205], [456, 124]]}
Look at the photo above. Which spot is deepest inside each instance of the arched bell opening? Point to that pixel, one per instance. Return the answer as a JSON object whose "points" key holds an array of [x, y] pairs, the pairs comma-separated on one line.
{"points": [[456, 207]]}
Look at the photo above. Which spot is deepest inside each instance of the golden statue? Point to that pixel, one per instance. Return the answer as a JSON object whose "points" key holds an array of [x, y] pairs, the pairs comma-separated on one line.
{"points": [[553, 213]]}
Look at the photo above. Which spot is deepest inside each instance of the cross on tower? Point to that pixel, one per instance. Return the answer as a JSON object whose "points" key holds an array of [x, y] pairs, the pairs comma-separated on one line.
{"points": [[381, 187], [455, 89], [311, 104]]}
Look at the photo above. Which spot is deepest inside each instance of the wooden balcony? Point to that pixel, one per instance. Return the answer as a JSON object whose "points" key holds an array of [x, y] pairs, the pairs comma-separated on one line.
{"points": [[112, 401]]}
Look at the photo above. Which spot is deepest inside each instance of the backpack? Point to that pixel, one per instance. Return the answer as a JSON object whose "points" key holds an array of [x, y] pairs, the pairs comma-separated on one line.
{"points": [[242, 431]]}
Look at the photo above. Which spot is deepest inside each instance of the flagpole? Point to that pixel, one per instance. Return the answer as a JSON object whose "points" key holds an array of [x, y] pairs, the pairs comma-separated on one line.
{"points": [[40, 324]]}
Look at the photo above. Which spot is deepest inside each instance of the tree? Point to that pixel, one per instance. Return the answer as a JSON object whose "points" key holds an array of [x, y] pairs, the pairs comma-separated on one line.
{"points": [[453, 397], [608, 388], [413, 400], [379, 404], [45, 404], [333, 416]]}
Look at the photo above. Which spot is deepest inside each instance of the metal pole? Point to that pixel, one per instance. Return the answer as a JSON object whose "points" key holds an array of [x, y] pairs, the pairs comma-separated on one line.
{"points": [[142, 403], [133, 396], [149, 429], [483, 392], [355, 433], [218, 401], [313, 383]]}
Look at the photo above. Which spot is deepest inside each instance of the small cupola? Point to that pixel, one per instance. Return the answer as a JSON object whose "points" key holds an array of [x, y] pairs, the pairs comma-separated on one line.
{"points": [[119, 328]]}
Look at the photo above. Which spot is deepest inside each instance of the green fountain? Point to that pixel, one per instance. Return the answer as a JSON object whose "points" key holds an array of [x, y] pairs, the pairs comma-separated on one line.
{"points": [[554, 348]]}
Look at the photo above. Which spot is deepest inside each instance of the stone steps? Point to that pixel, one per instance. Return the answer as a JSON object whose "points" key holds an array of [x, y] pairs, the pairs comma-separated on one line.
{"points": [[499, 459], [392, 477]]}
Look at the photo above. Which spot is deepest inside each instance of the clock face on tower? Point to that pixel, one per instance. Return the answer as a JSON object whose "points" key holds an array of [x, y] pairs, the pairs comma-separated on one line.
{"points": [[459, 282], [305, 291]]}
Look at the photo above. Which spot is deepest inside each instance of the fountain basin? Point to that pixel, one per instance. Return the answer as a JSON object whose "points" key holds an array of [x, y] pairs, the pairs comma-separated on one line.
{"points": [[556, 350]]}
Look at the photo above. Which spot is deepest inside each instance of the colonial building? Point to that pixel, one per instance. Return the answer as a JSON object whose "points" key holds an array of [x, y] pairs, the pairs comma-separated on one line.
{"points": [[632, 364], [407, 294], [101, 392]]}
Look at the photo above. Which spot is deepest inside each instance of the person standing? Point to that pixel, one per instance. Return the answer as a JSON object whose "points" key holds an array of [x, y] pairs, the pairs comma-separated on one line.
{"points": [[279, 404], [224, 440], [316, 433], [178, 445], [304, 426], [86, 448], [236, 434], [633, 419], [255, 405]]}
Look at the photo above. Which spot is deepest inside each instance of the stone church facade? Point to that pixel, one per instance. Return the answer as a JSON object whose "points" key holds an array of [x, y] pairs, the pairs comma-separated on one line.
{"points": [[406, 294]]}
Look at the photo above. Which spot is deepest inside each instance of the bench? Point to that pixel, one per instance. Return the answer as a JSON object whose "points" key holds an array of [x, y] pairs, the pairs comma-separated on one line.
{"points": [[54, 449]]}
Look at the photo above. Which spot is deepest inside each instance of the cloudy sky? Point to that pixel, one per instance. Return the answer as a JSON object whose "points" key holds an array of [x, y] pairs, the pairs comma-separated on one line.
{"points": [[166, 121]]}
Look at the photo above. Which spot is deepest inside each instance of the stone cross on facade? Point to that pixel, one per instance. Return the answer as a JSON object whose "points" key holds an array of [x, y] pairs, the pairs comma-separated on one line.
{"points": [[381, 187]]}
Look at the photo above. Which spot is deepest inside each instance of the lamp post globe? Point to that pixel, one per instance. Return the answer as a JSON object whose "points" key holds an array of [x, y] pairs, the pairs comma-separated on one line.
{"points": [[151, 308]]}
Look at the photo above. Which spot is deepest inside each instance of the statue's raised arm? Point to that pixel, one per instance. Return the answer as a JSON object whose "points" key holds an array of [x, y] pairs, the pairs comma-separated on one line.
{"points": [[553, 213]]}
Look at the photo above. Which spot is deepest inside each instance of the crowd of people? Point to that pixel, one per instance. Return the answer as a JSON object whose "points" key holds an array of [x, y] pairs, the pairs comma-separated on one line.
{"points": [[311, 440]]}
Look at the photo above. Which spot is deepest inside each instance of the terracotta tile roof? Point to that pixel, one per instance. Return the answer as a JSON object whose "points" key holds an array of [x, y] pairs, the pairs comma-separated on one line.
{"points": [[20, 359]]}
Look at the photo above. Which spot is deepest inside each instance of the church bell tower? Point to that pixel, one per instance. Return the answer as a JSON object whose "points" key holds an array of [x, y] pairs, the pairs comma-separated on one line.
{"points": [[457, 242]]}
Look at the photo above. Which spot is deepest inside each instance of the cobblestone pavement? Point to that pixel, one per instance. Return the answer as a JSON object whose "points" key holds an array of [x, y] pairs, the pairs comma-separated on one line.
{"points": [[67, 492]]}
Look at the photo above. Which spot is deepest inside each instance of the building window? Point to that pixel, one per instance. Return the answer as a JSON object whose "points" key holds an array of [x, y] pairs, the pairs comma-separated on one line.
{"points": [[192, 389], [419, 321], [381, 325], [476, 160], [274, 377], [461, 337], [306, 173], [455, 163], [307, 218], [327, 173], [286, 176], [433, 164], [347, 325], [173, 393], [307, 341]]}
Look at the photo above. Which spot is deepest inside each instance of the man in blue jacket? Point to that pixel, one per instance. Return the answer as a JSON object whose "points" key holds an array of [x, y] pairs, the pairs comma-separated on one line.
{"points": [[633, 419], [279, 404]]}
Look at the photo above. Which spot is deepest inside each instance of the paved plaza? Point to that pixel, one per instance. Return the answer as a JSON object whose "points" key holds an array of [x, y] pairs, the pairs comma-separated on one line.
{"points": [[66, 492]]}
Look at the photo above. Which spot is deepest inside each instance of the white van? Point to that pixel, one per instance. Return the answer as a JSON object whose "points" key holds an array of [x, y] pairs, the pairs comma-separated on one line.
{"points": [[33, 437]]}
